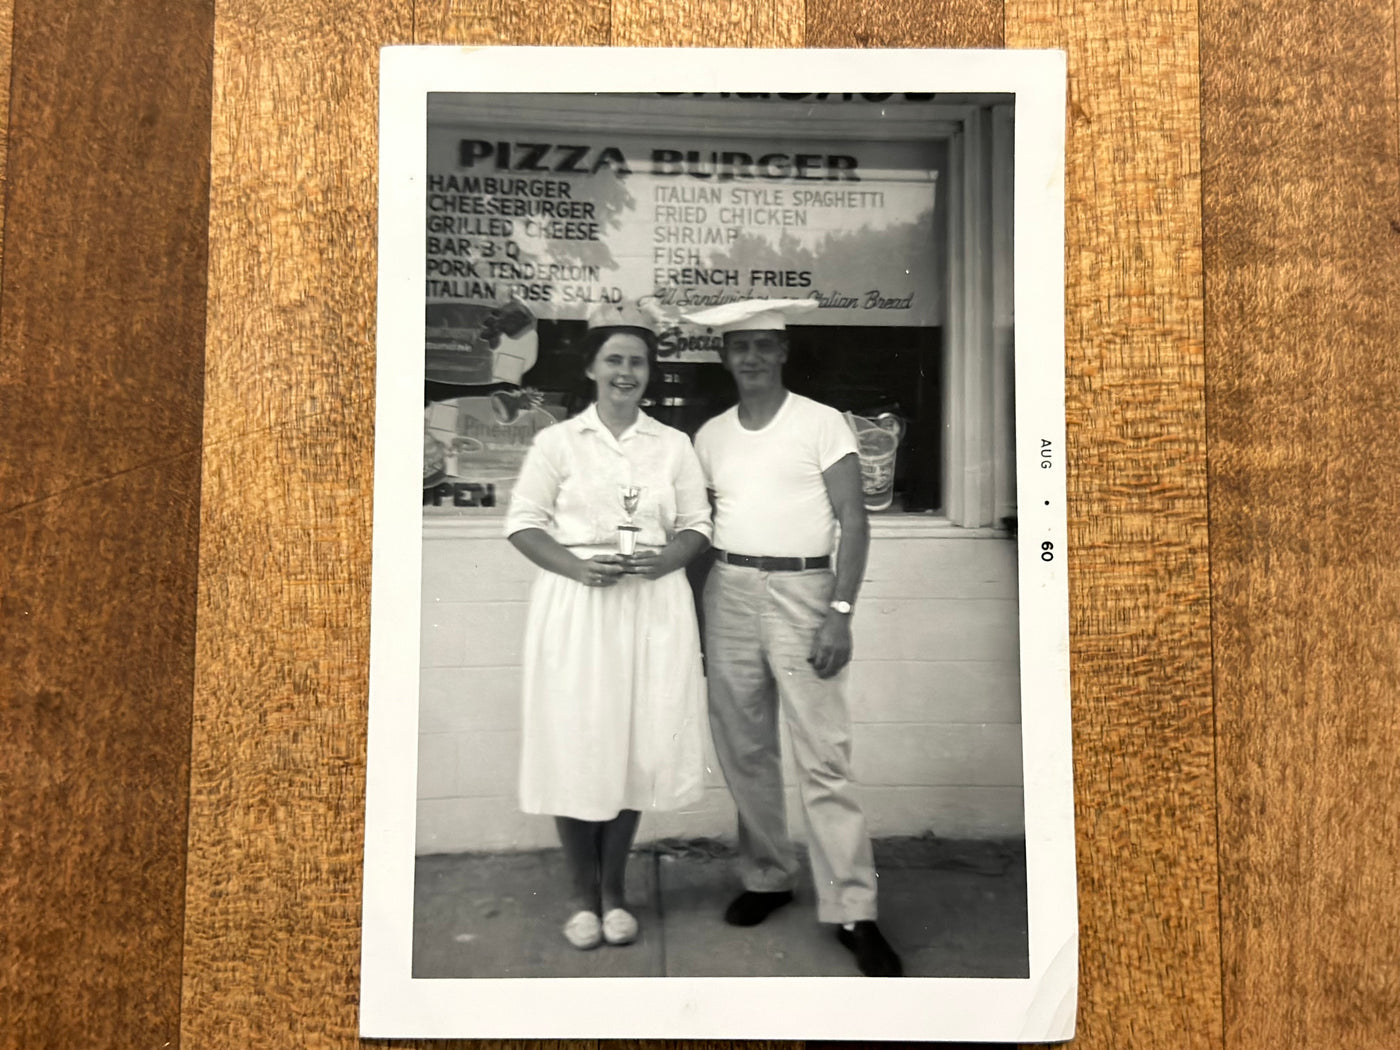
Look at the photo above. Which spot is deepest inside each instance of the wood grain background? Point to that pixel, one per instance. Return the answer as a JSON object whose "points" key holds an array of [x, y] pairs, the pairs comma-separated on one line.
{"points": [[186, 321]]}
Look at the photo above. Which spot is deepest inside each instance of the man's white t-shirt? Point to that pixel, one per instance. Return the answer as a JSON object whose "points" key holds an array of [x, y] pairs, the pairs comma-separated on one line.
{"points": [[770, 497]]}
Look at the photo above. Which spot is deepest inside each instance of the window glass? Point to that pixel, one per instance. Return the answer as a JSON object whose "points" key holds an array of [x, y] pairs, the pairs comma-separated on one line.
{"points": [[530, 227]]}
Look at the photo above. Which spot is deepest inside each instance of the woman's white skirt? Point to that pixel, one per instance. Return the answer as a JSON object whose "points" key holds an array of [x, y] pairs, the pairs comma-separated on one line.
{"points": [[614, 698]]}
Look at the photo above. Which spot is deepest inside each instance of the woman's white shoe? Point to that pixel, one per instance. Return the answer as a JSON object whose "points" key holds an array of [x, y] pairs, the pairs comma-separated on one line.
{"points": [[584, 931], [619, 927]]}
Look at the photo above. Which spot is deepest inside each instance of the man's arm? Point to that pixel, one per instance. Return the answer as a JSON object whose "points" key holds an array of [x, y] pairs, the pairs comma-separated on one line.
{"points": [[831, 648]]}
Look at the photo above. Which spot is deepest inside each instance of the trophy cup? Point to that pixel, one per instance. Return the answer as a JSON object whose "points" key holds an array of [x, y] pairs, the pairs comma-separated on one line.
{"points": [[631, 495]]}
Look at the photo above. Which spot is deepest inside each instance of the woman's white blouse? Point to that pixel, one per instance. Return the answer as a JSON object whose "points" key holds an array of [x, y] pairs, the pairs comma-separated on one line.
{"points": [[571, 483]]}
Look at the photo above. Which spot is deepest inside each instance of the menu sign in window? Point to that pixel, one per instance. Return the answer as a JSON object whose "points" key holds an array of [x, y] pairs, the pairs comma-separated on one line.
{"points": [[526, 228], [561, 225]]}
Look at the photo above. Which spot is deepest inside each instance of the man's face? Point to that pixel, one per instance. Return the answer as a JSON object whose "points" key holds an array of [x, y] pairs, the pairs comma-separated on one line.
{"points": [[755, 359]]}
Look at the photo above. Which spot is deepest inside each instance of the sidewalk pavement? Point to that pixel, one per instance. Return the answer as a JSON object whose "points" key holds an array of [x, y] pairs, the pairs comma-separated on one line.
{"points": [[951, 909]]}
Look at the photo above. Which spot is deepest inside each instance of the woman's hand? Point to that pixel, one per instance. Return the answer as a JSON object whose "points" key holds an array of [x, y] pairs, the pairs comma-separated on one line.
{"points": [[654, 564], [601, 570], [651, 564]]}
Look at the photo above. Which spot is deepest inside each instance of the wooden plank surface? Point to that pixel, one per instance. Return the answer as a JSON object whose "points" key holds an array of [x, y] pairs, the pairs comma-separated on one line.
{"points": [[1302, 210], [101, 354], [1160, 492], [277, 763], [576, 23], [707, 23], [7, 27], [1139, 590], [904, 23], [102, 301]]}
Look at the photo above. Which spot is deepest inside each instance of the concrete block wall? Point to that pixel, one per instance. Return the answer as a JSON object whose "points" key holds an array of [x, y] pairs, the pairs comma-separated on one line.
{"points": [[934, 693]]}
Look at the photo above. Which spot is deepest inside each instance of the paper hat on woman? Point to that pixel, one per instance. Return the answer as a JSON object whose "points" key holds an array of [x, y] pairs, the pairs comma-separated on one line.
{"points": [[750, 315], [623, 314]]}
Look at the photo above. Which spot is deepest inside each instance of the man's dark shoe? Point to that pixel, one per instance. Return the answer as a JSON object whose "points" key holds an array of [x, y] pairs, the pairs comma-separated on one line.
{"points": [[873, 953], [750, 908]]}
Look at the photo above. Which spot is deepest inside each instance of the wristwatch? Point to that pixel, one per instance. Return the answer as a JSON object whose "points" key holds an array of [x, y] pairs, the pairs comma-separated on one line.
{"points": [[844, 608]]}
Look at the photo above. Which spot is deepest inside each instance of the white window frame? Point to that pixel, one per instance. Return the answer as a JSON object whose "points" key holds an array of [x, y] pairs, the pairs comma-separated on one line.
{"points": [[979, 465]]}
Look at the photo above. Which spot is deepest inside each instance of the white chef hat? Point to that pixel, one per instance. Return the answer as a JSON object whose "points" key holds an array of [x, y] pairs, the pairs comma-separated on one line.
{"points": [[750, 315]]}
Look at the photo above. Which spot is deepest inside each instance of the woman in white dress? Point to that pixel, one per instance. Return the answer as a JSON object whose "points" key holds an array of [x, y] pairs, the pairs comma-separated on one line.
{"points": [[614, 708]]}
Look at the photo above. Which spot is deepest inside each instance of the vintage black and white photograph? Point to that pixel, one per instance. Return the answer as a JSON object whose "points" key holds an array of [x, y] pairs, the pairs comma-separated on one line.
{"points": [[726, 634]]}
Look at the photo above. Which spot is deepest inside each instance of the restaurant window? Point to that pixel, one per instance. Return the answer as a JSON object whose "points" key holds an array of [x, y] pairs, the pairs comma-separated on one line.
{"points": [[891, 212]]}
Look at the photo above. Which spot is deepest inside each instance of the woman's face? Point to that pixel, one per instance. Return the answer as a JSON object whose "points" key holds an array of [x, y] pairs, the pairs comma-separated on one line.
{"points": [[620, 371]]}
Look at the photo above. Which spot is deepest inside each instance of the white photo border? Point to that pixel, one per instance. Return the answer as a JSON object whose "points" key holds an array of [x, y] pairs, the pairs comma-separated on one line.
{"points": [[1039, 1008]]}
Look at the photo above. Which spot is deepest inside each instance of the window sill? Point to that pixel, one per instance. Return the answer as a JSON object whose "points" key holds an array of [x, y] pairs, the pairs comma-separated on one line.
{"points": [[484, 524]]}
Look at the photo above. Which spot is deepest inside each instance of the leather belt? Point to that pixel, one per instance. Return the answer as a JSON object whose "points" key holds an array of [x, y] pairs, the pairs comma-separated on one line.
{"points": [[767, 564]]}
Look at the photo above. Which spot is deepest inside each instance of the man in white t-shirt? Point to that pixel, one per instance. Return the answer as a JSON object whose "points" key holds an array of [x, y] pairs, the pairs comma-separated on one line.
{"points": [[783, 472]]}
